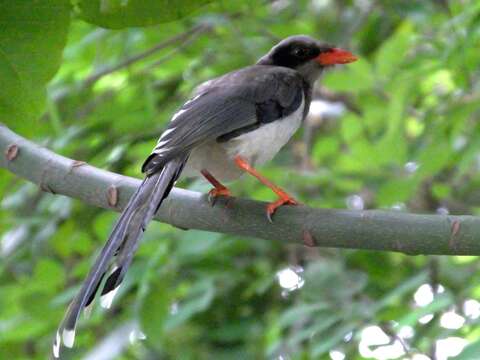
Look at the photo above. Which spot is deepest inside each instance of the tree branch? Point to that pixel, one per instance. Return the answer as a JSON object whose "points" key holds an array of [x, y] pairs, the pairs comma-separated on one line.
{"points": [[372, 230], [144, 54]]}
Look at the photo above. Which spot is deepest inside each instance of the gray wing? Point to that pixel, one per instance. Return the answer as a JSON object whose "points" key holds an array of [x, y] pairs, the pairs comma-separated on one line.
{"points": [[226, 107]]}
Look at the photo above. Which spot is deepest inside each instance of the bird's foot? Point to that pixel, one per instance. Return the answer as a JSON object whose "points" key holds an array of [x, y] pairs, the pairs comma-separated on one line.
{"points": [[283, 199], [216, 192]]}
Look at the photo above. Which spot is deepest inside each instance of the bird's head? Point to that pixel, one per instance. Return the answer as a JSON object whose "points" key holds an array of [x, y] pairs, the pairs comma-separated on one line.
{"points": [[306, 55]]}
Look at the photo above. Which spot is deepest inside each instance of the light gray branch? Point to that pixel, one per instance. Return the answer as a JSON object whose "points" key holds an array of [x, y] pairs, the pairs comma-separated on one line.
{"points": [[373, 230]]}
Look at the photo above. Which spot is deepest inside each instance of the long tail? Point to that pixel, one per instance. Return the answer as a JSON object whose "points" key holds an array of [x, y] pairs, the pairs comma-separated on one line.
{"points": [[117, 253]]}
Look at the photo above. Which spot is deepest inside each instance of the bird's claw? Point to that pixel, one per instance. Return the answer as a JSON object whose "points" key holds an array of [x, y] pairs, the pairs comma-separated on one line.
{"points": [[216, 192], [283, 200]]}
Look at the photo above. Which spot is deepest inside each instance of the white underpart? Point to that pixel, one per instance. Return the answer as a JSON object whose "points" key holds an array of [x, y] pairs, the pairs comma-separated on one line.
{"points": [[68, 337], [261, 145], [107, 299], [56, 346]]}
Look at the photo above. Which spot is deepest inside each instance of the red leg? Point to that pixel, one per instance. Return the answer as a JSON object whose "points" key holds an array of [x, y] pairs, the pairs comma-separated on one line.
{"points": [[218, 188], [283, 197]]}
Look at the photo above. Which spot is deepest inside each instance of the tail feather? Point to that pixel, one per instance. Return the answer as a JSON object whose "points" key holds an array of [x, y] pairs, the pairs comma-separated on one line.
{"points": [[126, 252], [92, 294], [121, 245]]}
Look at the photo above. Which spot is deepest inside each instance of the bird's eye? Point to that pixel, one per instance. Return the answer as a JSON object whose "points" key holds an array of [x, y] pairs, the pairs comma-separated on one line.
{"points": [[300, 52]]}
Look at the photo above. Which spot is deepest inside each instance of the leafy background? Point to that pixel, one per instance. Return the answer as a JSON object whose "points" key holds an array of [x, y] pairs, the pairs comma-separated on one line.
{"points": [[398, 130]]}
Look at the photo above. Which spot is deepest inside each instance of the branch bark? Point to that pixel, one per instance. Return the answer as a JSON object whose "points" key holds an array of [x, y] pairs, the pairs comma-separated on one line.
{"points": [[371, 230]]}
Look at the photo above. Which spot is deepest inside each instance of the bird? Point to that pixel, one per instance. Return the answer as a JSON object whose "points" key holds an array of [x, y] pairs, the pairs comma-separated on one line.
{"points": [[230, 125]]}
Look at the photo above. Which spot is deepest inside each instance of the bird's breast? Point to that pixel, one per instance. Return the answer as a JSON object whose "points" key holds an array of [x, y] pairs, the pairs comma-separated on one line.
{"points": [[262, 144]]}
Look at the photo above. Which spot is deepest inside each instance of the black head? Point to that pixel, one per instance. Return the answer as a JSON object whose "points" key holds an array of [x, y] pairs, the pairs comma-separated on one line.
{"points": [[306, 55]]}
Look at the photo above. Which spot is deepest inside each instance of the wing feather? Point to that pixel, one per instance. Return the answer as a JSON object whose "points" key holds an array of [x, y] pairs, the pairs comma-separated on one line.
{"points": [[226, 107]]}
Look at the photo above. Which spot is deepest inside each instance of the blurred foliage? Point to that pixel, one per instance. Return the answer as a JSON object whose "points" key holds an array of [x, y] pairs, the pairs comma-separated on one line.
{"points": [[31, 45], [408, 139], [118, 14]]}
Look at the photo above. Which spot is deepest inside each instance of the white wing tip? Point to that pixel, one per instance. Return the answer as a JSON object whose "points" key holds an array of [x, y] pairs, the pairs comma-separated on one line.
{"points": [[177, 114], [68, 337], [107, 299], [56, 346]]}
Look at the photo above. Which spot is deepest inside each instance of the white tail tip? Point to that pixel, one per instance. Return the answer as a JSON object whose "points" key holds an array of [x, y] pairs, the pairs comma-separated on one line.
{"points": [[107, 299], [56, 346], [68, 337]]}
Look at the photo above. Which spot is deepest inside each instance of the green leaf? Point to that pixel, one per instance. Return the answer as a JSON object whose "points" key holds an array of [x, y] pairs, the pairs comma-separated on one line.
{"points": [[300, 313], [354, 77], [434, 157], [32, 38], [198, 299], [322, 324], [324, 148], [326, 343], [439, 303], [155, 309], [195, 245], [23, 330], [396, 190], [396, 294], [351, 127], [470, 352], [394, 50], [48, 274], [118, 14]]}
